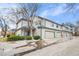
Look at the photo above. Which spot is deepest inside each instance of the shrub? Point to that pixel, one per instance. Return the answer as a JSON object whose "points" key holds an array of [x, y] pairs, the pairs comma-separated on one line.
{"points": [[36, 37], [28, 38], [15, 38], [8, 35]]}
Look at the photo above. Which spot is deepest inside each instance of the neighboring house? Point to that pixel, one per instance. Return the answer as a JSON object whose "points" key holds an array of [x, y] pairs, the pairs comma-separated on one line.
{"points": [[45, 28], [8, 32], [76, 31]]}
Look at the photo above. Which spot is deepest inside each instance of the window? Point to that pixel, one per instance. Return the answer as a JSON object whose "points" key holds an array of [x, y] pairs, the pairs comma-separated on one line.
{"points": [[52, 25], [39, 22], [57, 26], [61, 27], [67, 28], [36, 23]]}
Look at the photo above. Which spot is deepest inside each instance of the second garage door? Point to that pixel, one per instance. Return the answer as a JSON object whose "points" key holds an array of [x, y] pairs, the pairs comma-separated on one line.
{"points": [[49, 35], [58, 34]]}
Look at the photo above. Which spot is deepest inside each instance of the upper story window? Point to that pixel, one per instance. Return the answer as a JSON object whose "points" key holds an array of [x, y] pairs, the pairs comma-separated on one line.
{"points": [[57, 26], [52, 24], [67, 28], [61, 27], [37, 23]]}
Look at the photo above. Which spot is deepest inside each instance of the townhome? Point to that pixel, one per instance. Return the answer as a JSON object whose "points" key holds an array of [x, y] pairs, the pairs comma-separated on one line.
{"points": [[43, 27]]}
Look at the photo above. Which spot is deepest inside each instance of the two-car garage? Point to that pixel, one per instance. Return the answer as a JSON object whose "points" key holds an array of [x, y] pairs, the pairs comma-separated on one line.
{"points": [[51, 34]]}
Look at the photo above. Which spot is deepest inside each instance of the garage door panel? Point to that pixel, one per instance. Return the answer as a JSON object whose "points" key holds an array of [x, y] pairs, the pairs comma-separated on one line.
{"points": [[58, 34], [49, 35]]}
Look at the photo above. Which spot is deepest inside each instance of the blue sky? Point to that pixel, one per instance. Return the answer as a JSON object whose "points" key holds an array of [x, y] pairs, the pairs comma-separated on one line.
{"points": [[54, 12]]}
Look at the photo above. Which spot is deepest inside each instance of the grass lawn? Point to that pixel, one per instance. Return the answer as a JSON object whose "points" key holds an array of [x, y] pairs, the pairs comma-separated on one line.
{"points": [[3, 39]]}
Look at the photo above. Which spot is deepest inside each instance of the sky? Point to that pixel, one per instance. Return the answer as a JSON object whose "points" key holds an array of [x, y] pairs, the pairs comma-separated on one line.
{"points": [[58, 13], [52, 11]]}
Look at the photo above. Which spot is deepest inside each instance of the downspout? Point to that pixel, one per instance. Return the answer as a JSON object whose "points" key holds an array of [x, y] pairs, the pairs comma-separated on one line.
{"points": [[54, 34], [41, 29], [21, 27]]}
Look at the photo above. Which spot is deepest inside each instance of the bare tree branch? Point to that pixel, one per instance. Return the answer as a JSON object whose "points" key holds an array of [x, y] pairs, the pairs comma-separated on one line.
{"points": [[29, 10]]}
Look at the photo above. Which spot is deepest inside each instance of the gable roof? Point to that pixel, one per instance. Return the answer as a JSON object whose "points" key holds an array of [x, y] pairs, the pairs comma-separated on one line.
{"points": [[48, 20], [51, 21]]}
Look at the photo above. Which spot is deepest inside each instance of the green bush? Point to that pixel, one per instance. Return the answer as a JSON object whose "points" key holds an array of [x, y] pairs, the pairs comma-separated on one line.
{"points": [[28, 38], [36, 37], [15, 38], [8, 35]]}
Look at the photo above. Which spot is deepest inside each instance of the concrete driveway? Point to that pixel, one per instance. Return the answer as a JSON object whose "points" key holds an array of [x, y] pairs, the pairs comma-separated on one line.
{"points": [[67, 48]]}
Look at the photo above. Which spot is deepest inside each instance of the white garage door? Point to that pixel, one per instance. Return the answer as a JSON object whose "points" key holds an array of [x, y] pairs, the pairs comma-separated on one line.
{"points": [[58, 34], [49, 35]]}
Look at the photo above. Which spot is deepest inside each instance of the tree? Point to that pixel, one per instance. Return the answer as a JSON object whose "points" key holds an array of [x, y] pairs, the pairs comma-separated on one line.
{"points": [[77, 28], [29, 11], [13, 16], [77, 23], [3, 26], [69, 24], [72, 8]]}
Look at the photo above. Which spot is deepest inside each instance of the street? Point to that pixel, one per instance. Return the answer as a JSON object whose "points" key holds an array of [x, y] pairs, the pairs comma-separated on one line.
{"points": [[67, 48]]}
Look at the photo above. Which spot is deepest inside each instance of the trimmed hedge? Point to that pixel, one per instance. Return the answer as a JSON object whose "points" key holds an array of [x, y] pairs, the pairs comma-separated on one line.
{"points": [[36, 37], [28, 38], [15, 38]]}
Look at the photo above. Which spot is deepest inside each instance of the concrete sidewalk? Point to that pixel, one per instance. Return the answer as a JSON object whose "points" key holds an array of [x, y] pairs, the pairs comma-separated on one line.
{"points": [[67, 48]]}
